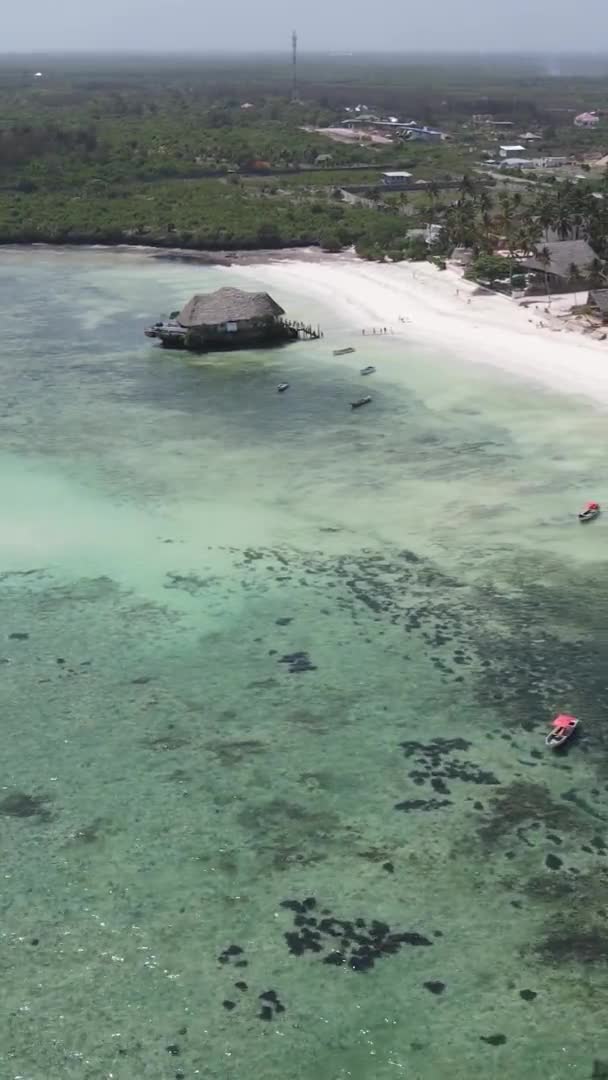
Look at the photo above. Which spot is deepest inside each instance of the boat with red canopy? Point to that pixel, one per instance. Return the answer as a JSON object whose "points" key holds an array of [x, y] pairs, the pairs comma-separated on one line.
{"points": [[562, 729], [591, 511]]}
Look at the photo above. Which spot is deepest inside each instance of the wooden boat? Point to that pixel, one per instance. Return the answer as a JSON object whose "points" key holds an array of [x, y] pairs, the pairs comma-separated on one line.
{"points": [[361, 401], [343, 352], [282, 387], [369, 370], [591, 511], [562, 729]]}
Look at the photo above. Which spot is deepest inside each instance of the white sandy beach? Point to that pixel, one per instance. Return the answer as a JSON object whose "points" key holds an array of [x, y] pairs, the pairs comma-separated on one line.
{"points": [[441, 310]]}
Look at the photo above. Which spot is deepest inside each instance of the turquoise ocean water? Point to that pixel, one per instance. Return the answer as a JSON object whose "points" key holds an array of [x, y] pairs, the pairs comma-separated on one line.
{"points": [[274, 678]]}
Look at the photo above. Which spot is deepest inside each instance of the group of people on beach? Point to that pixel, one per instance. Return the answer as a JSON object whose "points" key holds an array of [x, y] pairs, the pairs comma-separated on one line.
{"points": [[386, 329]]}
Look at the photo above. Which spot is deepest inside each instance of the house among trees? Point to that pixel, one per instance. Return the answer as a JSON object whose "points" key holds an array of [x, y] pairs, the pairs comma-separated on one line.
{"points": [[226, 319], [586, 120], [397, 179], [511, 150], [565, 265]]}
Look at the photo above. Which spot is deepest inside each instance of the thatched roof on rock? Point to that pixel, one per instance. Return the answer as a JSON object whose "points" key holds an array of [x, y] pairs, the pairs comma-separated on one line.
{"points": [[227, 305], [563, 254]]}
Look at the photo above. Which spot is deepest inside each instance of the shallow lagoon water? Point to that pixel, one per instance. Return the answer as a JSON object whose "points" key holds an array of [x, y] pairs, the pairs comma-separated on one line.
{"points": [[258, 649]]}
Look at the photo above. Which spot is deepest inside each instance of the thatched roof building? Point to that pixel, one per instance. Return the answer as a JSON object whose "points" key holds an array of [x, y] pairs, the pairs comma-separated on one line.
{"points": [[563, 255], [598, 299], [229, 307]]}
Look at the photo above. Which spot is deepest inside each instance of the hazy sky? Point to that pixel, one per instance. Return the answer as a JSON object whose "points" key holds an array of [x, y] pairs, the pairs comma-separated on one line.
{"points": [[521, 25]]}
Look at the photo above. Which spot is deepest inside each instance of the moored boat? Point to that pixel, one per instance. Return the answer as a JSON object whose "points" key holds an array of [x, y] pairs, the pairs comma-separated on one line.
{"points": [[361, 401], [282, 387], [591, 511], [562, 729], [343, 352], [369, 370]]}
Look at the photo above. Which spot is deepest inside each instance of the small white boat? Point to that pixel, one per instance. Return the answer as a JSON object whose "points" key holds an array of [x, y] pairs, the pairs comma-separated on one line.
{"points": [[591, 511], [369, 370], [562, 729], [282, 387], [343, 352]]}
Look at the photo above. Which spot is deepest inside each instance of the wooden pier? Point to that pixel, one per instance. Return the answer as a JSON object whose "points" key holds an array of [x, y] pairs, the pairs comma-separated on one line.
{"points": [[304, 331]]}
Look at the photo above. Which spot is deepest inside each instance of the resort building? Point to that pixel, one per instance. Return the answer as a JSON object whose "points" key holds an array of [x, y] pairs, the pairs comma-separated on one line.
{"points": [[227, 319], [557, 270], [586, 120]]}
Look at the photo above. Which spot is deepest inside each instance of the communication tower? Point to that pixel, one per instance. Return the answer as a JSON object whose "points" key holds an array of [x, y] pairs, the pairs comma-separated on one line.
{"points": [[294, 61]]}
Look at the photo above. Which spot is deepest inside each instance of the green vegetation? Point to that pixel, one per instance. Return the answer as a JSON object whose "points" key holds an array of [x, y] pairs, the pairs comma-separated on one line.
{"points": [[521, 223], [211, 153]]}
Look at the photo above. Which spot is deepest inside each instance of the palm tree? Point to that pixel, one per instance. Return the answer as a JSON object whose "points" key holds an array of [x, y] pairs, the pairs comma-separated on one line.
{"points": [[467, 186], [489, 240], [574, 277], [433, 188], [544, 256], [485, 202], [596, 273], [564, 219], [546, 214]]}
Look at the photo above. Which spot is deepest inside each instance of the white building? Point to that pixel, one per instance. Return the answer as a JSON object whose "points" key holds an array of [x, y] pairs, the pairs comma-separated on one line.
{"points": [[586, 120], [396, 179], [511, 151]]}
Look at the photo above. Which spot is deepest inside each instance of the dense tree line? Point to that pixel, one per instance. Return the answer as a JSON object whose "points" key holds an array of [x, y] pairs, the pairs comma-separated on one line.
{"points": [[524, 222]]}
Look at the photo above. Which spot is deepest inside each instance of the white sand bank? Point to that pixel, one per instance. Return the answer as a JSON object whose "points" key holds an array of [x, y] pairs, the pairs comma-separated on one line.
{"points": [[441, 310]]}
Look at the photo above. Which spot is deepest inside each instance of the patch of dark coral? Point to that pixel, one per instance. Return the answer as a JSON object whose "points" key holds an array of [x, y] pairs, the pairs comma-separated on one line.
{"points": [[553, 862], [229, 954], [583, 804], [528, 995], [357, 944], [582, 945], [433, 764], [19, 804], [434, 986], [168, 741], [522, 802], [494, 1040], [298, 662], [422, 804], [271, 1001], [190, 583], [231, 751]]}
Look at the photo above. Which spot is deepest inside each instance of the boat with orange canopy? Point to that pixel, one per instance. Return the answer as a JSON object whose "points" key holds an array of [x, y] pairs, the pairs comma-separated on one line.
{"points": [[562, 729]]}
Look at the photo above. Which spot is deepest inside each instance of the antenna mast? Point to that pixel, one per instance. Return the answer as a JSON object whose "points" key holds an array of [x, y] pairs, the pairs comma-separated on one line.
{"points": [[294, 53]]}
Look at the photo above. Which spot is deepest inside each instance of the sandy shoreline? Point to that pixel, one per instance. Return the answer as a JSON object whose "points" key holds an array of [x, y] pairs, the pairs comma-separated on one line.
{"points": [[418, 303], [443, 311]]}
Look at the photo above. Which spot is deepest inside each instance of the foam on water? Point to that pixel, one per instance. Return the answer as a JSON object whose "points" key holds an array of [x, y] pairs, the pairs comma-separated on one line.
{"points": [[259, 649]]}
